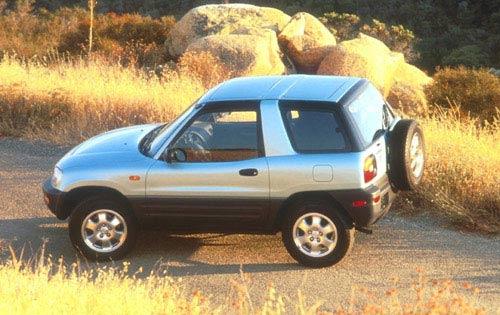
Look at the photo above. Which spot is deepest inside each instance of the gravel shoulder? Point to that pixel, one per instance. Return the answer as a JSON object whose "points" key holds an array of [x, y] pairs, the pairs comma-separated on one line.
{"points": [[398, 247]]}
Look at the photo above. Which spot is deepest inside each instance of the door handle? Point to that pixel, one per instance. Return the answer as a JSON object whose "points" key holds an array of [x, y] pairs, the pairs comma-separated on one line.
{"points": [[249, 172]]}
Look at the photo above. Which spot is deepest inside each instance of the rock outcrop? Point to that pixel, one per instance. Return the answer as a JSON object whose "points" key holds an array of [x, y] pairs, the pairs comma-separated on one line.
{"points": [[222, 19], [365, 57], [306, 41], [254, 53], [407, 92]]}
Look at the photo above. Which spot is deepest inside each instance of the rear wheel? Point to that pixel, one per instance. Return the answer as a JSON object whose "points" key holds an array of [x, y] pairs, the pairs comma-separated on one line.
{"points": [[406, 155], [102, 229], [317, 235]]}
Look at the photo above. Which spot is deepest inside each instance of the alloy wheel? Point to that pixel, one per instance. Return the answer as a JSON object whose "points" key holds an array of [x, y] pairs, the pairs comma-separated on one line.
{"points": [[315, 235], [104, 230]]}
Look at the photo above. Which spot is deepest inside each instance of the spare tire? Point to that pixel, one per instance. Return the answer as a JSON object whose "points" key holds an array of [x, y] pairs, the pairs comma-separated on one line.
{"points": [[406, 155]]}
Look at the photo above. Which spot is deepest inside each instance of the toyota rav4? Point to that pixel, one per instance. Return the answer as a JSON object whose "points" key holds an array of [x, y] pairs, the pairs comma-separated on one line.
{"points": [[312, 157]]}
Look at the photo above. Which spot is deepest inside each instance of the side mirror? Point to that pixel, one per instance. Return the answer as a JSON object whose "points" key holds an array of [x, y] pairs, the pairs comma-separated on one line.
{"points": [[176, 155]]}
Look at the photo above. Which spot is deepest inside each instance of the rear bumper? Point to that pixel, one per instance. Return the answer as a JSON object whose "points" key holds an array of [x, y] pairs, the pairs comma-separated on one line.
{"points": [[367, 206], [54, 199]]}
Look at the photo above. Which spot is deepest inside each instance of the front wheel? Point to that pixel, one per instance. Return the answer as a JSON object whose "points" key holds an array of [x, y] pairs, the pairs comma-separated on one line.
{"points": [[316, 234], [102, 229]]}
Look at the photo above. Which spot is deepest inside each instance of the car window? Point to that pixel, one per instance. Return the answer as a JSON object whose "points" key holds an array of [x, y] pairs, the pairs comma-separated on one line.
{"points": [[367, 111], [159, 139], [221, 136], [314, 130]]}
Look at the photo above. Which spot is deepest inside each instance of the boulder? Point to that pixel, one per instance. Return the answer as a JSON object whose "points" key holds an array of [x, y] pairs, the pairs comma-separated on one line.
{"points": [[306, 41], [252, 52], [222, 19], [401, 83], [411, 74], [409, 99], [407, 92], [365, 57]]}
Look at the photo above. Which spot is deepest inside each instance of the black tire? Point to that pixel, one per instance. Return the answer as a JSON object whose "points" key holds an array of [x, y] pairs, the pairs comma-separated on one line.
{"points": [[400, 170], [345, 232], [90, 205]]}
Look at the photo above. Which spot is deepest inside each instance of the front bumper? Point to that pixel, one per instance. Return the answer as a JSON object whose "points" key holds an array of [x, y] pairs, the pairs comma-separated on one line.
{"points": [[54, 199], [367, 206]]}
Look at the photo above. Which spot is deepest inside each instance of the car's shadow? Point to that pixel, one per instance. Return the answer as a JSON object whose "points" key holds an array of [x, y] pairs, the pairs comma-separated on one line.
{"points": [[155, 252]]}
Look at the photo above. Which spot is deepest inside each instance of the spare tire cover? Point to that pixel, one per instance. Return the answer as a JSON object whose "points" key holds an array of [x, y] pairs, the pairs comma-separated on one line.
{"points": [[406, 155]]}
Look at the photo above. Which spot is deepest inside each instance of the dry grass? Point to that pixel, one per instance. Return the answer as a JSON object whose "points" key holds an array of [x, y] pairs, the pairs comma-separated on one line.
{"points": [[43, 287], [461, 181], [70, 102], [46, 288]]}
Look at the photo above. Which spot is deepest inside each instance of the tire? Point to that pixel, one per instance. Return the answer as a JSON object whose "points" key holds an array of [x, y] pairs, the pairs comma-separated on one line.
{"points": [[403, 174], [344, 233], [90, 209]]}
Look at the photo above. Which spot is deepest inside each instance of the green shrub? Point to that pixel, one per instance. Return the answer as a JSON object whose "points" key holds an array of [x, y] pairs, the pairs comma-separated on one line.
{"points": [[343, 25], [474, 91], [347, 26], [121, 29], [130, 38], [469, 56], [396, 37], [27, 33]]}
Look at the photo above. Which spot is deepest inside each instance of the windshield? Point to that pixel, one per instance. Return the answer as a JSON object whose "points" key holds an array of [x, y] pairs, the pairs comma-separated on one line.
{"points": [[159, 136]]}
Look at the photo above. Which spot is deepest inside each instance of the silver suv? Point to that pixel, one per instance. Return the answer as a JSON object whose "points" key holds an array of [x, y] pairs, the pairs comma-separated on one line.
{"points": [[314, 157]]}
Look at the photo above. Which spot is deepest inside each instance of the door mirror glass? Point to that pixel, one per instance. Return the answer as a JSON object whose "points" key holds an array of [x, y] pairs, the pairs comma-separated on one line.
{"points": [[176, 155]]}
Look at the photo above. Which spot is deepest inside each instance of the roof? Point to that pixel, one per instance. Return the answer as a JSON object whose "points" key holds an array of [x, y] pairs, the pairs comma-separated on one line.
{"points": [[286, 87]]}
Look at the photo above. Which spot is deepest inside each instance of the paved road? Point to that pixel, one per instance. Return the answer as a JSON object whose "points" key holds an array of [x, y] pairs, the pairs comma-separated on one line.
{"points": [[398, 247]]}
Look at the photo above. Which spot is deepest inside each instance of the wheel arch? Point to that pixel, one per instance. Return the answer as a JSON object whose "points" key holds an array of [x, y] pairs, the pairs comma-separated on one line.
{"points": [[307, 195], [77, 195]]}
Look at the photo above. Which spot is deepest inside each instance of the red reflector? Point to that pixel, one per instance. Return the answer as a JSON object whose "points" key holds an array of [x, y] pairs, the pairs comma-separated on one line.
{"points": [[134, 178], [359, 203], [376, 198]]}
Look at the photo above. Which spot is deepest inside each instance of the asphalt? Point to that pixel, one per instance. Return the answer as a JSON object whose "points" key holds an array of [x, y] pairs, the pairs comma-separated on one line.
{"points": [[399, 250]]}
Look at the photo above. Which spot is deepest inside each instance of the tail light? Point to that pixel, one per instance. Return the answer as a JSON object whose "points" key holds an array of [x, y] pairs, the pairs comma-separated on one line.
{"points": [[370, 168]]}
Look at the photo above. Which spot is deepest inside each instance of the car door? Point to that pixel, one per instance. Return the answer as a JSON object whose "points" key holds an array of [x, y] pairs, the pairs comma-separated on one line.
{"points": [[222, 183]]}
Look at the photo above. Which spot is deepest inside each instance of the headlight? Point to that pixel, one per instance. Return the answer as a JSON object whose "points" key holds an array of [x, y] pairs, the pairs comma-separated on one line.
{"points": [[56, 178]]}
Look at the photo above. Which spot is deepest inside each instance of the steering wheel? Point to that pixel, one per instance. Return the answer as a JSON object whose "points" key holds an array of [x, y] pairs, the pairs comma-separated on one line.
{"points": [[195, 140]]}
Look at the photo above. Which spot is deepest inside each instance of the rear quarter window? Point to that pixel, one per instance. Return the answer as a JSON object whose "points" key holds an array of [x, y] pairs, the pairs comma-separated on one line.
{"points": [[367, 111], [313, 130]]}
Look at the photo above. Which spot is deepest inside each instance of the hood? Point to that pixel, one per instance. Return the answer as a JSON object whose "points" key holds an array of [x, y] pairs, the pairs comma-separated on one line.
{"points": [[118, 140], [113, 146]]}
